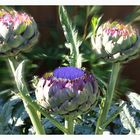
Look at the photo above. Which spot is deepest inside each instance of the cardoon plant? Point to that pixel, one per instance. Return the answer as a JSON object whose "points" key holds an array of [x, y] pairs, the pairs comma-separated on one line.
{"points": [[18, 32], [118, 43], [68, 92]]}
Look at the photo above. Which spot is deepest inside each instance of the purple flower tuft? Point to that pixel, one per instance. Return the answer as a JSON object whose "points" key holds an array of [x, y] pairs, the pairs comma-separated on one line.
{"points": [[69, 73], [69, 91]]}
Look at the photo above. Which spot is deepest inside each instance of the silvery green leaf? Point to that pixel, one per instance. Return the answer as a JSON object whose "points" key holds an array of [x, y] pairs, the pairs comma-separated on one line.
{"points": [[71, 35], [19, 78], [7, 109], [7, 116], [135, 99], [69, 31], [127, 118]]}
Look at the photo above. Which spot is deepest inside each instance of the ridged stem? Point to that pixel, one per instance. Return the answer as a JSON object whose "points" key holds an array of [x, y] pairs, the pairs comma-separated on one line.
{"points": [[38, 127], [69, 122], [30, 110], [108, 100], [44, 113], [32, 104]]}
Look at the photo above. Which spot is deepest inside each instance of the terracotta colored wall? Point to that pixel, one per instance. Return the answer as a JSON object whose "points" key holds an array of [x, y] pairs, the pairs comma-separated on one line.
{"points": [[47, 18]]}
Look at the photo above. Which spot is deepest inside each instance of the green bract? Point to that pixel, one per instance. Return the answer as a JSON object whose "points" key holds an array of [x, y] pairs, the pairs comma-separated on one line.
{"points": [[18, 32], [116, 42]]}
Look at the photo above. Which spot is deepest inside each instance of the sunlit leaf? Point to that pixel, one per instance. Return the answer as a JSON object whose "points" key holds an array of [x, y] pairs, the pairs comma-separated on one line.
{"points": [[135, 100], [19, 78], [95, 23], [71, 35], [129, 119]]}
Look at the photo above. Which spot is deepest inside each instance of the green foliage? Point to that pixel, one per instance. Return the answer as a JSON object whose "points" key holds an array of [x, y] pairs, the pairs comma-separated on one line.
{"points": [[134, 16], [135, 100], [130, 114], [13, 117], [128, 120], [44, 57], [19, 79], [73, 43], [95, 24]]}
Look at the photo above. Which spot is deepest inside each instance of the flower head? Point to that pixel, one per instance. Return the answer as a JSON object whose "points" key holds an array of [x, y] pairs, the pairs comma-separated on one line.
{"points": [[18, 32], [116, 41], [69, 91]]}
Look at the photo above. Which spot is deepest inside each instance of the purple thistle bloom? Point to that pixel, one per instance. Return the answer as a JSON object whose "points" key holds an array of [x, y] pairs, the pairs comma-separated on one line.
{"points": [[69, 91]]}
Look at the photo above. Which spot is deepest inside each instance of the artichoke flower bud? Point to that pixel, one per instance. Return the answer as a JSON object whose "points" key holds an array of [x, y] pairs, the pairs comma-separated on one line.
{"points": [[69, 91], [18, 32], [116, 42]]}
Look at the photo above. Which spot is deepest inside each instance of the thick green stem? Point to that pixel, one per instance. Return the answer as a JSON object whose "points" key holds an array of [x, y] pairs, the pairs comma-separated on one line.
{"points": [[109, 97], [44, 113], [111, 88], [26, 97], [69, 122], [30, 110], [34, 118], [113, 116]]}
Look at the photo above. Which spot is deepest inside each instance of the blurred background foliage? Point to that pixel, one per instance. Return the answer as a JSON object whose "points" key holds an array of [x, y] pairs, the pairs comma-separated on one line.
{"points": [[50, 53]]}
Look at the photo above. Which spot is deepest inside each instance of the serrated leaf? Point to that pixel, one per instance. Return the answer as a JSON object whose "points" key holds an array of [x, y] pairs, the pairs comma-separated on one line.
{"points": [[135, 100], [127, 119], [71, 35]]}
